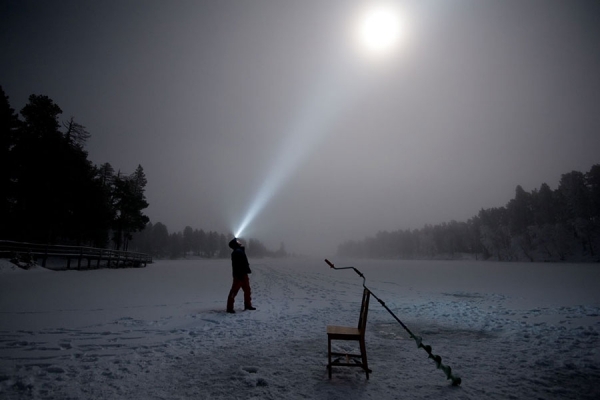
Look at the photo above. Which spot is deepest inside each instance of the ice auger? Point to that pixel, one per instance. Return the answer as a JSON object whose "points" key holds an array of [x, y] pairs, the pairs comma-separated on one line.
{"points": [[456, 381]]}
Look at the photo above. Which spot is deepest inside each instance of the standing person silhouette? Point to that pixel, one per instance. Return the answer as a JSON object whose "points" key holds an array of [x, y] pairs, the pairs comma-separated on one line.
{"points": [[241, 269]]}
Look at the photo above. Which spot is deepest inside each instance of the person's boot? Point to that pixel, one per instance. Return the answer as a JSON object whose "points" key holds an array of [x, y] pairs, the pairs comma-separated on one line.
{"points": [[249, 307], [230, 302]]}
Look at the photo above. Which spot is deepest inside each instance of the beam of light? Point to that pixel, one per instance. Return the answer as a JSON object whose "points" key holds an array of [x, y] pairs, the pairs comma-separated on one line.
{"points": [[335, 90], [310, 126]]}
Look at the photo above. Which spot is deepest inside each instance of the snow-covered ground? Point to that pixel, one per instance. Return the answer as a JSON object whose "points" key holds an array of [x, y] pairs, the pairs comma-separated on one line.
{"points": [[511, 331]]}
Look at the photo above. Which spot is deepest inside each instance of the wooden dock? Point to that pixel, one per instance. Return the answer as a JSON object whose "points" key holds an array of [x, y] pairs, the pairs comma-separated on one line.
{"points": [[76, 257]]}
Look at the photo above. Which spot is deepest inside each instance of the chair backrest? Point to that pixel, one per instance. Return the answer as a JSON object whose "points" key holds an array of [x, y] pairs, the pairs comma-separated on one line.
{"points": [[364, 310]]}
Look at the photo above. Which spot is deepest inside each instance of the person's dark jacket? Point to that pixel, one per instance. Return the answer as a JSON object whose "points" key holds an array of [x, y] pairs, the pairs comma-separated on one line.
{"points": [[239, 263]]}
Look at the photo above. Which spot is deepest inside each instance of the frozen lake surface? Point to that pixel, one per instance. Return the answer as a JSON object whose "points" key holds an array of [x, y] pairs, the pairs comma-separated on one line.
{"points": [[509, 330]]}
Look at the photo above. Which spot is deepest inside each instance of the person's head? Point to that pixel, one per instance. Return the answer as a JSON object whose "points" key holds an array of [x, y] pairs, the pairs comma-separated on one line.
{"points": [[235, 244]]}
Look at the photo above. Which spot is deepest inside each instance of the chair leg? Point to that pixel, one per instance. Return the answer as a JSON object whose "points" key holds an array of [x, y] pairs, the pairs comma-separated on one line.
{"points": [[363, 353], [329, 356]]}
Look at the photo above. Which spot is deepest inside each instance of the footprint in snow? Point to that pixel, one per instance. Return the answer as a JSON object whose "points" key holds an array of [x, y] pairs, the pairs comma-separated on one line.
{"points": [[254, 380]]}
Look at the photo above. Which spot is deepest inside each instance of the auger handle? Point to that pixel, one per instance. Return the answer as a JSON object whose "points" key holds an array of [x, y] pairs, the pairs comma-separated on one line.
{"points": [[355, 270]]}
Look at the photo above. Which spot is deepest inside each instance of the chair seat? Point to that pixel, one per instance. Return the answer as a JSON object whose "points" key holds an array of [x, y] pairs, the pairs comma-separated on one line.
{"points": [[342, 330]]}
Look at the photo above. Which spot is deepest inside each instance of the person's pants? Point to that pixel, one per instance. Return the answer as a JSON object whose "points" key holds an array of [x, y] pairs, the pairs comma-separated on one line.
{"points": [[244, 284]]}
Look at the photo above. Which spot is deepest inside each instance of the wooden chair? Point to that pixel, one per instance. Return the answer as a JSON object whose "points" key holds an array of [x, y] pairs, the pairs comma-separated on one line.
{"points": [[350, 333]]}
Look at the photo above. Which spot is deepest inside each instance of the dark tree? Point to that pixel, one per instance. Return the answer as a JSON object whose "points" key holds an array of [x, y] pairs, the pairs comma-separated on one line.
{"points": [[128, 203], [200, 242], [39, 164], [106, 175], [519, 212], [592, 180], [224, 250], [176, 245], [574, 196], [76, 134], [9, 124], [188, 239], [212, 244], [160, 240], [545, 208], [576, 206]]}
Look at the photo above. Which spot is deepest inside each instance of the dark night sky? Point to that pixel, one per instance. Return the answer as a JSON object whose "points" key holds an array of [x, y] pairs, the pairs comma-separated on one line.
{"points": [[480, 96]]}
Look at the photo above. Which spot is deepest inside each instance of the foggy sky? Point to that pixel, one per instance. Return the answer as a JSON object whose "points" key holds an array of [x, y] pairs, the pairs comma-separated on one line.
{"points": [[482, 97]]}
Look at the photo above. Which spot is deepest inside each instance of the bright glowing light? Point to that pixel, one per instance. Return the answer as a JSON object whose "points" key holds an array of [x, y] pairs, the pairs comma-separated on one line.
{"points": [[379, 29], [239, 232]]}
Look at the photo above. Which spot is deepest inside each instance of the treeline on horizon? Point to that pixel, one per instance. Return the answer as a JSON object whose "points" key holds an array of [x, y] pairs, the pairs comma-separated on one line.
{"points": [[156, 240], [51, 193], [541, 225]]}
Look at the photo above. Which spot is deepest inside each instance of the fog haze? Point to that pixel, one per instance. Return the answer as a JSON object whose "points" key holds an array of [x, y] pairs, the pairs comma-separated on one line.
{"points": [[479, 98]]}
